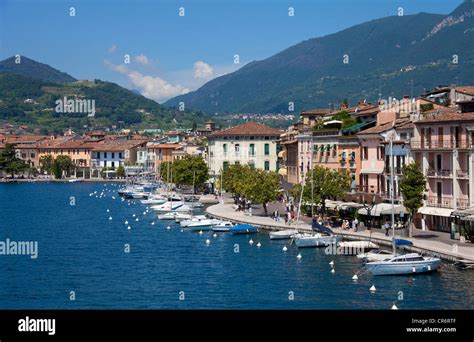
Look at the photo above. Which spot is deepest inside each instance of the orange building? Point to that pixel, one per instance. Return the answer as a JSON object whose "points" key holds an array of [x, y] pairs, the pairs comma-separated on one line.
{"points": [[158, 152]]}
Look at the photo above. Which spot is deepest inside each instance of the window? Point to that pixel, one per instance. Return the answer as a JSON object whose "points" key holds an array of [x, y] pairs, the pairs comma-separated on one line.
{"points": [[267, 149], [113, 163], [252, 165], [224, 149], [105, 154], [365, 152], [225, 165], [113, 154], [237, 149], [120, 155], [267, 165], [252, 150]]}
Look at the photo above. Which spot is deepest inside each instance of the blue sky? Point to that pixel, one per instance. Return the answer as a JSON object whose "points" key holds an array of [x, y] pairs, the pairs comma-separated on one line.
{"points": [[172, 54]]}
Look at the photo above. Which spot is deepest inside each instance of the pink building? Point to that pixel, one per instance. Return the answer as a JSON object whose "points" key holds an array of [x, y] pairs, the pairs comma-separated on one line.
{"points": [[442, 144]]}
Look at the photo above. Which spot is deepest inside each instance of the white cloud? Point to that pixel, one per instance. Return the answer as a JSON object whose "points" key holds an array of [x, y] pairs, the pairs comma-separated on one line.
{"points": [[112, 49], [142, 59], [152, 87], [203, 71]]}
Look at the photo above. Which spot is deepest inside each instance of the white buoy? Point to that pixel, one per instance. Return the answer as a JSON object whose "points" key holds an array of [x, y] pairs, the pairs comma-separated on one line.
{"points": [[372, 288], [126, 222], [259, 245], [285, 249], [200, 232], [136, 219], [153, 223], [208, 242], [133, 215], [168, 227], [214, 235], [331, 263], [394, 307], [299, 256], [110, 217], [355, 277], [108, 210], [333, 270], [182, 230], [129, 227], [144, 213], [251, 242]]}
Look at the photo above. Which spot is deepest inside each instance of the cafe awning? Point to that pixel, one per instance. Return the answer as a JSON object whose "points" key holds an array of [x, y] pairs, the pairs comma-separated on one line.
{"points": [[434, 211], [383, 209]]}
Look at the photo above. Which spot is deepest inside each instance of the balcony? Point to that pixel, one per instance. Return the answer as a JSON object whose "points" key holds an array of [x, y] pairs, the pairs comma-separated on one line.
{"points": [[462, 203], [440, 202], [462, 174], [440, 144], [397, 170], [439, 173]]}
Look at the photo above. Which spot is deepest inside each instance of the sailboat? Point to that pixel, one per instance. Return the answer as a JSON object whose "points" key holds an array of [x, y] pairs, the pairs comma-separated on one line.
{"points": [[283, 234], [402, 264], [323, 237]]}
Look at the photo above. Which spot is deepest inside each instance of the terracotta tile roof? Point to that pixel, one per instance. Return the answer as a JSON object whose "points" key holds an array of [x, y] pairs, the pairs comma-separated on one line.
{"points": [[447, 117], [116, 145], [402, 123], [164, 145], [248, 128]]}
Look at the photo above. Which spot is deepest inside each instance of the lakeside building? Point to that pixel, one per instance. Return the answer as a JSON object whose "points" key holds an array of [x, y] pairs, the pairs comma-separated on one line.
{"points": [[443, 145], [112, 154], [249, 143], [158, 152]]}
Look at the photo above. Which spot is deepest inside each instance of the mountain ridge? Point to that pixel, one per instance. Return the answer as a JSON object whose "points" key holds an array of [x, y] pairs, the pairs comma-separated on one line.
{"points": [[312, 74]]}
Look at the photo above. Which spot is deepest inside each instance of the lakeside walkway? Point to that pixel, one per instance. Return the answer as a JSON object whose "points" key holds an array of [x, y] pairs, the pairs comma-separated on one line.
{"points": [[452, 250]]}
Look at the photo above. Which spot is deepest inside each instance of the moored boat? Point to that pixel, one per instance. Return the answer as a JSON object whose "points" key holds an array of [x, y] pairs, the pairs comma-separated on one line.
{"points": [[375, 255], [223, 226], [282, 234], [243, 229], [404, 264]]}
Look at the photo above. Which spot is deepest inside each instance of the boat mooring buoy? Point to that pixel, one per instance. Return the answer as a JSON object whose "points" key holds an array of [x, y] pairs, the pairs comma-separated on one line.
{"points": [[394, 307], [200, 232], [259, 245], [129, 227], [372, 289], [214, 235], [299, 256], [251, 242], [153, 223], [168, 227], [333, 270], [110, 217], [108, 210], [285, 249], [331, 263], [355, 277], [126, 222], [208, 242]]}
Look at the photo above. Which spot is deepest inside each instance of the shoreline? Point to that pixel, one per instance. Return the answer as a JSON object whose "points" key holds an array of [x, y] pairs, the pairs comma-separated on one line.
{"points": [[434, 248]]}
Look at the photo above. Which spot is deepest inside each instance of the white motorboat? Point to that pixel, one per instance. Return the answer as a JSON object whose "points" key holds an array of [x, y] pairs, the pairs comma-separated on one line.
{"points": [[223, 226], [171, 206], [314, 240], [283, 234], [404, 264], [193, 219], [203, 225], [154, 199], [376, 255], [174, 215], [139, 195]]}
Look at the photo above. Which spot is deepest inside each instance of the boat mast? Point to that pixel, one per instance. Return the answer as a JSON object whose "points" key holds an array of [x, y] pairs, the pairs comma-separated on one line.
{"points": [[299, 206], [391, 192]]}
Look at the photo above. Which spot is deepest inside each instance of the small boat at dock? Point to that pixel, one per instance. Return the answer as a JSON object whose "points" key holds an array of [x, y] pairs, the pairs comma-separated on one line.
{"points": [[404, 264], [243, 229], [282, 234], [221, 227], [376, 255]]}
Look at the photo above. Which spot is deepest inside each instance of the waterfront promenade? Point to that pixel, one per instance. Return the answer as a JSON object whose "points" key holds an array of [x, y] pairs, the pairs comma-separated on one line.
{"points": [[451, 250]]}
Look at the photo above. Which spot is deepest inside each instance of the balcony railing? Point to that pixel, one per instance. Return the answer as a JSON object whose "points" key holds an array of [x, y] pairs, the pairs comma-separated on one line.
{"points": [[397, 170], [440, 202], [439, 173], [462, 173], [440, 144], [462, 203]]}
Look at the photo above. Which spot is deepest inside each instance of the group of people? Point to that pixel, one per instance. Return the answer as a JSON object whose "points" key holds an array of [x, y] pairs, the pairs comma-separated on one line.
{"points": [[243, 204], [348, 224]]}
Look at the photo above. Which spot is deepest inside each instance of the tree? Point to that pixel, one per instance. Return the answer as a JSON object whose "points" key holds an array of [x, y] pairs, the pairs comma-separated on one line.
{"points": [[60, 165], [235, 177], [412, 187], [261, 187], [46, 163], [322, 184], [9, 161], [120, 172], [190, 170]]}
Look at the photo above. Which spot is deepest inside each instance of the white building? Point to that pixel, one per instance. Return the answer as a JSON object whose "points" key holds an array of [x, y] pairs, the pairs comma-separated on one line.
{"points": [[113, 154], [250, 143]]}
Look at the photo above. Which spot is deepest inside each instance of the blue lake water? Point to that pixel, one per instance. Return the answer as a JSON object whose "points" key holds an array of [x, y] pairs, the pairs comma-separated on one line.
{"points": [[81, 250]]}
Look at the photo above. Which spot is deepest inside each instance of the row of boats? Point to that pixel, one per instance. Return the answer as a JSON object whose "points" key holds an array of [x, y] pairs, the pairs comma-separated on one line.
{"points": [[377, 261]]}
